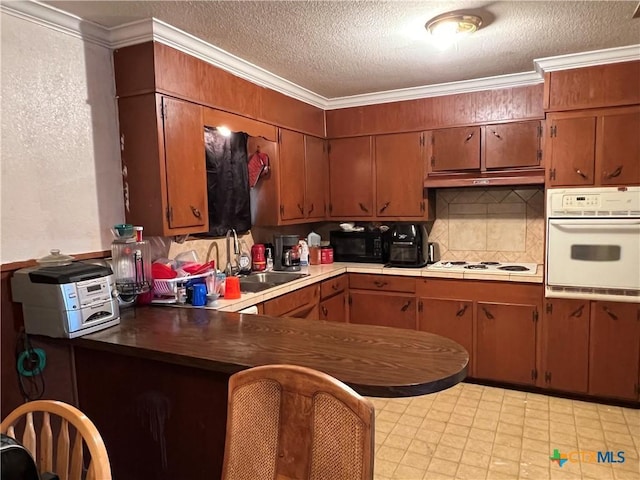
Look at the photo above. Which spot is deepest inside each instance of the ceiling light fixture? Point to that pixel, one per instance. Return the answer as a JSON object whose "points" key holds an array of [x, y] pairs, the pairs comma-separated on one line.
{"points": [[450, 26]]}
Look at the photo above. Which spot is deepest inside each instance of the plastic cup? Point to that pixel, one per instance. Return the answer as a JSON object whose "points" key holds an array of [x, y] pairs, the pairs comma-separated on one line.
{"points": [[199, 295], [232, 288]]}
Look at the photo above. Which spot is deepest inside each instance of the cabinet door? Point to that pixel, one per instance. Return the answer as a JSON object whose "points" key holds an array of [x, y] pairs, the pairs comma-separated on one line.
{"points": [[291, 175], [350, 178], [618, 148], [614, 349], [399, 175], [505, 348], [512, 145], [315, 168], [389, 310], [455, 149], [185, 163], [334, 309], [572, 150], [565, 345], [450, 318]]}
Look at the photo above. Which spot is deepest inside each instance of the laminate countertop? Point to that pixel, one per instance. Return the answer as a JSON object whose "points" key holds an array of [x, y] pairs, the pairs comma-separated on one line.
{"points": [[318, 273], [375, 361]]}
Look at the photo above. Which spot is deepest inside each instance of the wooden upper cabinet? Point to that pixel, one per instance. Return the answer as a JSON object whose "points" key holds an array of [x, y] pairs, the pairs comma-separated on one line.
{"points": [[599, 86], [614, 350], [316, 172], [618, 149], [454, 149], [571, 150], [400, 170], [594, 147], [509, 145], [185, 163], [351, 178], [565, 345], [292, 174], [164, 172]]}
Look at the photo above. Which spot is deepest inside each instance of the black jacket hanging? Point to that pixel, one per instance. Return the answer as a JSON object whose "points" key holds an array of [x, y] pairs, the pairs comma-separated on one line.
{"points": [[227, 182]]}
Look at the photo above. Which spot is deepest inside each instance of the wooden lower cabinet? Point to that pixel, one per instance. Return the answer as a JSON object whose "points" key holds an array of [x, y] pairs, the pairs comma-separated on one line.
{"points": [[497, 322], [381, 308], [302, 303], [565, 345], [506, 342], [614, 350], [449, 318], [334, 308]]}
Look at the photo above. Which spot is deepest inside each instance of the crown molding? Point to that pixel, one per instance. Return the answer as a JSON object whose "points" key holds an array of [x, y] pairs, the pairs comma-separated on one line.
{"points": [[185, 42], [587, 59], [152, 29], [58, 20], [437, 90]]}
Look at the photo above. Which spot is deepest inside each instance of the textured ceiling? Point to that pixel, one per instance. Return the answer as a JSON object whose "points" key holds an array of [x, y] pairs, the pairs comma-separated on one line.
{"points": [[346, 48]]}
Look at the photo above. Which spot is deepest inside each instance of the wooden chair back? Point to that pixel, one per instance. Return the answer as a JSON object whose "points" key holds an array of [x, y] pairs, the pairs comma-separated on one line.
{"points": [[287, 422], [68, 445]]}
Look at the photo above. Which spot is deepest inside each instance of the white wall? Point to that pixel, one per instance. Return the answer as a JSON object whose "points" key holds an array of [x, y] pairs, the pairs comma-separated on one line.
{"points": [[60, 160]]}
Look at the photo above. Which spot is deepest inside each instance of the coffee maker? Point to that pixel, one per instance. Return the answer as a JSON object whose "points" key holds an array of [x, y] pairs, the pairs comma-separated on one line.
{"points": [[408, 245], [287, 254]]}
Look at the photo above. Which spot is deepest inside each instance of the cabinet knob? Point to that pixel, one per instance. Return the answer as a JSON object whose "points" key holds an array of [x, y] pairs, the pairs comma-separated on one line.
{"points": [[461, 312], [379, 284], [610, 313], [581, 173], [324, 310], [469, 137], [614, 174], [363, 207], [406, 306], [301, 209], [496, 134], [385, 206], [578, 312], [487, 313], [311, 209], [196, 212]]}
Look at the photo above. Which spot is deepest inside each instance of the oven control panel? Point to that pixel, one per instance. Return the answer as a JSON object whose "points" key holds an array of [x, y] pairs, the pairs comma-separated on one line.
{"points": [[580, 201], [593, 202]]}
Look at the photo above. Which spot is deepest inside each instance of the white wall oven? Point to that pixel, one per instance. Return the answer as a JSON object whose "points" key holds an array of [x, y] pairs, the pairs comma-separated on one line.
{"points": [[593, 243]]}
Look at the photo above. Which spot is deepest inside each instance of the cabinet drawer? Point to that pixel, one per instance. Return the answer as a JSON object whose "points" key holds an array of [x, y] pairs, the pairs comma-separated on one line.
{"points": [[384, 283], [292, 301], [333, 286]]}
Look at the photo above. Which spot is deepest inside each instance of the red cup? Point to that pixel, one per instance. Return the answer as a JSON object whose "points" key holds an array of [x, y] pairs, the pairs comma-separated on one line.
{"points": [[231, 288]]}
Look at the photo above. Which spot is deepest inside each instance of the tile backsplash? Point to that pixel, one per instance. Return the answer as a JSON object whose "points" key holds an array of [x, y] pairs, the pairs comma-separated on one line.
{"points": [[490, 224]]}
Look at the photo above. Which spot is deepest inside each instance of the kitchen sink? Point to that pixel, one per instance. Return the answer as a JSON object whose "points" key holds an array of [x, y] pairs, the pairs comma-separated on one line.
{"points": [[257, 282]]}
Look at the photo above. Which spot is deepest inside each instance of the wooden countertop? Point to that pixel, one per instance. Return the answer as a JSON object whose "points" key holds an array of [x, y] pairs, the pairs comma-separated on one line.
{"points": [[375, 361]]}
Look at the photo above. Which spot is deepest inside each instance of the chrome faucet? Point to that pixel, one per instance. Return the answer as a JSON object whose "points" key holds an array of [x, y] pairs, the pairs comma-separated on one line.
{"points": [[230, 269]]}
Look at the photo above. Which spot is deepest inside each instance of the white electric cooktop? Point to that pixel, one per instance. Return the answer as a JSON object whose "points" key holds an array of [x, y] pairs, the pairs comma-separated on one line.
{"points": [[486, 267]]}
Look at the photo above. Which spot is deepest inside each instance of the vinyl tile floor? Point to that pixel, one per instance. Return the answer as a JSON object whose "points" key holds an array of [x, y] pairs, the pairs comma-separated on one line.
{"points": [[475, 432]]}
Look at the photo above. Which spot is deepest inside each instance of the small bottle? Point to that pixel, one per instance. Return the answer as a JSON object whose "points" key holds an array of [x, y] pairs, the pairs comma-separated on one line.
{"points": [[269, 253], [304, 253]]}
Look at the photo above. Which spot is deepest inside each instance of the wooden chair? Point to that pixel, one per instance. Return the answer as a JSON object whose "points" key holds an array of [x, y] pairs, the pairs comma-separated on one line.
{"points": [[67, 468], [294, 423]]}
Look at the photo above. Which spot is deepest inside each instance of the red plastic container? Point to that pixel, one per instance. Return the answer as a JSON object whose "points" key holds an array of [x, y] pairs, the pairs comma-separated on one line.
{"points": [[326, 254], [258, 261]]}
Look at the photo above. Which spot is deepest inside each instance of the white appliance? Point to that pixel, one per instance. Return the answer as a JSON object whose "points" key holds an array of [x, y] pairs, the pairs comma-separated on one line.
{"points": [[66, 301], [593, 243], [485, 267]]}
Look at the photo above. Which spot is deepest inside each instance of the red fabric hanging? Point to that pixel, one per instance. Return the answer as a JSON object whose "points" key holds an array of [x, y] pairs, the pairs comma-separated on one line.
{"points": [[258, 166]]}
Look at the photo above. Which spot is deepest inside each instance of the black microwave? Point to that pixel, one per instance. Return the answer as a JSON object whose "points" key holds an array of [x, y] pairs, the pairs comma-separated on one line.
{"points": [[365, 247]]}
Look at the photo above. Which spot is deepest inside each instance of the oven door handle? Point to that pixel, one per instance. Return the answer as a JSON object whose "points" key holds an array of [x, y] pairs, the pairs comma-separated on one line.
{"points": [[603, 223]]}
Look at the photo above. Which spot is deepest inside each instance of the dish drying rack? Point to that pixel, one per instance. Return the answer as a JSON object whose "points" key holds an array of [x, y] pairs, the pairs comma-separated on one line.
{"points": [[167, 288]]}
